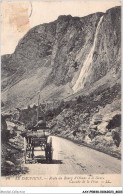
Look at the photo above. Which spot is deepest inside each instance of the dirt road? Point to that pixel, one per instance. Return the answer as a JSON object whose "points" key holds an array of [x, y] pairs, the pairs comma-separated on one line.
{"points": [[70, 158]]}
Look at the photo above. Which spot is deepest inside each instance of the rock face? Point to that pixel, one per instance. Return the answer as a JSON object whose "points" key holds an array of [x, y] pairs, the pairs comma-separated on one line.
{"points": [[50, 57], [107, 51], [97, 129], [11, 147]]}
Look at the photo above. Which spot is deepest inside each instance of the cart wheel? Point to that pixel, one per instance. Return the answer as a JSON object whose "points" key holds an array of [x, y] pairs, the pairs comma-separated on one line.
{"points": [[50, 149], [50, 156], [47, 152], [47, 157], [32, 155]]}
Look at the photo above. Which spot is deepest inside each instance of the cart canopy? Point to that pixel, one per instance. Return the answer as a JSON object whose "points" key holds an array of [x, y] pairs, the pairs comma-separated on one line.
{"points": [[39, 133]]}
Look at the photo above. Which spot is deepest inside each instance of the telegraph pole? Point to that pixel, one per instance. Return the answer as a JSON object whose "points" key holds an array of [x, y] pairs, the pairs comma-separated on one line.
{"points": [[38, 107]]}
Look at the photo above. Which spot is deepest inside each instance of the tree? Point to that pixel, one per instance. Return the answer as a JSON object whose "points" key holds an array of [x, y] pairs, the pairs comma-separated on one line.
{"points": [[34, 106], [79, 100], [28, 107], [62, 103], [2, 104]]}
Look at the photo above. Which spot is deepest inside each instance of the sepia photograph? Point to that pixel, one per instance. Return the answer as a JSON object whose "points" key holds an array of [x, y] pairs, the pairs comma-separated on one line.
{"points": [[61, 93]]}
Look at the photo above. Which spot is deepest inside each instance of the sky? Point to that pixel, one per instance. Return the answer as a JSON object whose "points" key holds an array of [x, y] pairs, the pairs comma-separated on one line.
{"points": [[18, 17]]}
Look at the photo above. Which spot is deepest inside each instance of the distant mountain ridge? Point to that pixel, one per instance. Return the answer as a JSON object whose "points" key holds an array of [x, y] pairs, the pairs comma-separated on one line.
{"points": [[50, 58]]}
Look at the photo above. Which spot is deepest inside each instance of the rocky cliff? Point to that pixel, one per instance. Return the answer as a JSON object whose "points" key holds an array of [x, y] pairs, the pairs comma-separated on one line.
{"points": [[50, 57], [11, 147]]}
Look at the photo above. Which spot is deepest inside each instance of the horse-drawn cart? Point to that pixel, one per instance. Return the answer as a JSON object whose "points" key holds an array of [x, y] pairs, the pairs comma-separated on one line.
{"points": [[37, 141]]}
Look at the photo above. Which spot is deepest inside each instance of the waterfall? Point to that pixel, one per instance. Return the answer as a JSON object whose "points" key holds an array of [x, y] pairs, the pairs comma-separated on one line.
{"points": [[87, 64]]}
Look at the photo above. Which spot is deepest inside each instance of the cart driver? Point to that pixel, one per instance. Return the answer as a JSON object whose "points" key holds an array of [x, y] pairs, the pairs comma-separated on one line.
{"points": [[41, 123]]}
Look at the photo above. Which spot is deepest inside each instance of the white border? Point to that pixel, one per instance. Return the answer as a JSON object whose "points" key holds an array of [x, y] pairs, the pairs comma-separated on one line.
{"points": [[60, 190]]}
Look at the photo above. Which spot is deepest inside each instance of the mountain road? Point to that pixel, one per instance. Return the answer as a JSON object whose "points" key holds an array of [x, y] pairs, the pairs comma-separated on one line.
{"points": [[72, 158]]}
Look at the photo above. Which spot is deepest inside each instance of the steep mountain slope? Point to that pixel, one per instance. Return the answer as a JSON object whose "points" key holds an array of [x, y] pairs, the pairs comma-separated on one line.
{"points": [[104, 57], [50, 57], [93, 119]]}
